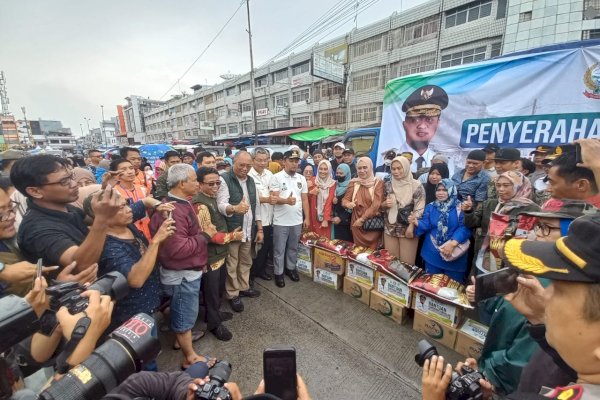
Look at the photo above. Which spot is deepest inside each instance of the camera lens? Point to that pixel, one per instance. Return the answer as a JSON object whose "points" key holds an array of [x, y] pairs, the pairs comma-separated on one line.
{"points": [[426, 351]]}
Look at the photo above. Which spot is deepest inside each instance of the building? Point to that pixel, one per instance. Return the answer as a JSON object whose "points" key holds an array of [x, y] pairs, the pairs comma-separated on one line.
{"points": [[61, 139], [436, 34], [9, 134], [134, 111], [24, 131]]}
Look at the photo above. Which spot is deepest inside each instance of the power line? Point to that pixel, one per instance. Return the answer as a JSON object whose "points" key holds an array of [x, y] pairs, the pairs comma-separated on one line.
{"points": [[205, 49]]}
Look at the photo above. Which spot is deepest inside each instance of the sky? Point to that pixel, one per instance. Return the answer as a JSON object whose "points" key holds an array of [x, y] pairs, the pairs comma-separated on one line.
{"points": [[62, 59]]}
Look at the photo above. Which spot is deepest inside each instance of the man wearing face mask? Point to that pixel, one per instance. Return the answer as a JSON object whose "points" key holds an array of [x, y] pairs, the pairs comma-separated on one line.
{"points": [[384, 170]]}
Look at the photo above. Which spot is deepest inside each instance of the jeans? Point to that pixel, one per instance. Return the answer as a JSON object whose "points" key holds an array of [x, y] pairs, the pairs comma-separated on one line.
{"points": [[285, 247], [184, 304]]}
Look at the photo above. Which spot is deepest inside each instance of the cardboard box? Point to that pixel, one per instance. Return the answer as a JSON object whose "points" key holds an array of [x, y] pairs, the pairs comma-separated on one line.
{"points": [[470, 339], [440, 332], [328, 278], [361, 273], [324, 259], [358, 290], [387, 307], [393, 288], [304, 262], [447, 313]]}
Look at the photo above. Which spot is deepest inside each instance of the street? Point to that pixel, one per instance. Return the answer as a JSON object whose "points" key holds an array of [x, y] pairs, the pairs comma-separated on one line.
{"points": [[345, 350]]}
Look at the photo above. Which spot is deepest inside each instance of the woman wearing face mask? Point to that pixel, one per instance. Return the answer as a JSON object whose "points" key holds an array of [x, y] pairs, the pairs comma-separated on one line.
{"points": [[149, 172], [404, 196], [341, 215], [442, 224], [514, 191], [364, 197], [437, 172], [321, 199]]}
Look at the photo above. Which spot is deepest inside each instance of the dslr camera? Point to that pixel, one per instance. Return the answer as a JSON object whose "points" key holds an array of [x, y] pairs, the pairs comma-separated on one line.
{"points": [[462, 387], [219, 375]]}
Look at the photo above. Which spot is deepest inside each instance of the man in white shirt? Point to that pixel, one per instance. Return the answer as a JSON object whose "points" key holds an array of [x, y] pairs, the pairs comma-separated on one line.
{"points": [[289, 196], [237, 201], [262, 179]]}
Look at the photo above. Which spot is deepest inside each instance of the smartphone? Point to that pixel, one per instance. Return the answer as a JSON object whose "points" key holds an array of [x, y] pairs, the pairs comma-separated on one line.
{"points": [[496, 283], [38, 271], [279, 371]]}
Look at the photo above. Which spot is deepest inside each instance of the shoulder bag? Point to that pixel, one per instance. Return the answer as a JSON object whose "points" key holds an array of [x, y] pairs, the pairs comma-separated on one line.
{"points": [[374, 223]]}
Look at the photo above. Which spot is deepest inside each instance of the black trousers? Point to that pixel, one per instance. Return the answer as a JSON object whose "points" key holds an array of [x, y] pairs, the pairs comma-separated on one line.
{"points": [[213, 287], [266, 251]]}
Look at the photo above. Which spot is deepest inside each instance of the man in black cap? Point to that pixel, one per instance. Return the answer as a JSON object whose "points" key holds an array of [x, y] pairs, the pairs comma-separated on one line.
{"points": [[384, 169], [490, 152], [564, 317], [538, 157], [423, 109], [348, 158], [472, 182], [506, 159]]}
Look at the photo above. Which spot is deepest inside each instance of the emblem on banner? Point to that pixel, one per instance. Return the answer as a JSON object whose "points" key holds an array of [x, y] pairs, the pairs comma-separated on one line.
{"points": [[591, 78]]}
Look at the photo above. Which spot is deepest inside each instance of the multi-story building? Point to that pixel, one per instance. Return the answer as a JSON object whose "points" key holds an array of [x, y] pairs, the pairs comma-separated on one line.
{"points": [[8, 131], [61, 139], [39, 139], [436, 34], [24, 131], [136, 107]]}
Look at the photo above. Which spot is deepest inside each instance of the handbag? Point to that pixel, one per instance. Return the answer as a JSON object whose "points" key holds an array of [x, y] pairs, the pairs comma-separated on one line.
{"points": [[403, 214], [458, 251], [374, 223]]}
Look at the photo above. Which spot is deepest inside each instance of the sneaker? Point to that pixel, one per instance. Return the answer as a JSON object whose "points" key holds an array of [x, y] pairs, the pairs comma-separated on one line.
{"points": [[293, 274], [222, 333], [236, 304], [225, 316], [249, 293]]}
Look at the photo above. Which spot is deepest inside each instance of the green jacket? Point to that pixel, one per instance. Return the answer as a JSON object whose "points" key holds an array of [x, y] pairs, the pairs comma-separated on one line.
{"points": [[162, 190], [236, 194], [216, 251]]}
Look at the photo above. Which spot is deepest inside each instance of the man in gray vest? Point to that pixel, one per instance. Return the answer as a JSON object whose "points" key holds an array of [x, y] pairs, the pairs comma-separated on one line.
{"points": [[237, 200]]}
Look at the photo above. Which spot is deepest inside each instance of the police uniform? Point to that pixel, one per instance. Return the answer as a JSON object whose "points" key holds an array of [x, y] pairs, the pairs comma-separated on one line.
{"points": [[426, 101]]}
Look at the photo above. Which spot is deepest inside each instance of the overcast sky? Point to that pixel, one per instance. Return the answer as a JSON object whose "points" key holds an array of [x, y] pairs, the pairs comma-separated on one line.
{"points": [[64, 58]]}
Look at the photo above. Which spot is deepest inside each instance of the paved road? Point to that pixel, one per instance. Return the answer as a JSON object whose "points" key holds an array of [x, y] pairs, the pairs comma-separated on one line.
{"points": [[344, 349]]}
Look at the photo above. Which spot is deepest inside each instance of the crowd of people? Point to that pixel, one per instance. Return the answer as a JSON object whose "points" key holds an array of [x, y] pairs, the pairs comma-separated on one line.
{"points": [[194, 229]]}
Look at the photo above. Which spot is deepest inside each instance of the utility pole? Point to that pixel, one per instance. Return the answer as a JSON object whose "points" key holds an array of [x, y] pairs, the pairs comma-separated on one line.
{"points": [[102, 127], [249, 30], [89, 133], [24, 110]]}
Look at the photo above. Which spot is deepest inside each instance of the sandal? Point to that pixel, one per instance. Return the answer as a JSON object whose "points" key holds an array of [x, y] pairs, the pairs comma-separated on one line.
{"points": [[196, 335], [210, 361]]}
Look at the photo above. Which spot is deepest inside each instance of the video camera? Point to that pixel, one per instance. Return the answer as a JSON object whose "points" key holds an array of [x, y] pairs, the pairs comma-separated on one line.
{"points": [[18, 320], [127, 349], [462, 387], [219, 375]]}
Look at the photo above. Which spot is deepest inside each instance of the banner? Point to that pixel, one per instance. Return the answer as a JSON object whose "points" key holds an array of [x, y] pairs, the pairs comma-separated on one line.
{"points": [[521, 101]]}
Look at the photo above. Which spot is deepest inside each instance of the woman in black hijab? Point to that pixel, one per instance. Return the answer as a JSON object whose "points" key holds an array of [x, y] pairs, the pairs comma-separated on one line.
{"points": [[437, 172]]}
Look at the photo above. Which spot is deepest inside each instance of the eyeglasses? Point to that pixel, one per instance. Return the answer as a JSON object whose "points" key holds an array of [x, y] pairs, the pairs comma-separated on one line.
{"points": [[66, 181], [8, 214], [212, 184], [544, 229]]}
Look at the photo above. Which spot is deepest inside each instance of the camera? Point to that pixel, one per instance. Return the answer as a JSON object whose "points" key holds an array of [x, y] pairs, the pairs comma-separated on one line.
{"points": [[127, 349], [219, 374], [462, 387], [68, 294]]}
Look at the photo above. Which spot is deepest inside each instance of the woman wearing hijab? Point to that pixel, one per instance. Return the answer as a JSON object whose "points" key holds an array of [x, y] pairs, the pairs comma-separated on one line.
{"points": [[404, 196], [341, 215], [513, 191], [364, 197], [437, 172], [83, 177], [442, 223], [321, 199]]}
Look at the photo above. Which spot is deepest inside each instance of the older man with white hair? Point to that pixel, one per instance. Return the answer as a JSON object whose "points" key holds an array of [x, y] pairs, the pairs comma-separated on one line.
{"points": [[183, 257]]}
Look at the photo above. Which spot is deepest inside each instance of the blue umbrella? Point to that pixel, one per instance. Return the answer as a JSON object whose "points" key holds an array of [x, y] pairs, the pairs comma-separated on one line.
{"points": [[154, 151]]}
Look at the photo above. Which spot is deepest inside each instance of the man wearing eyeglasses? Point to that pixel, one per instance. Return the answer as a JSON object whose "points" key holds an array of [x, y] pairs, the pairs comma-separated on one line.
{"points": [[423, 109], [52, 229]]}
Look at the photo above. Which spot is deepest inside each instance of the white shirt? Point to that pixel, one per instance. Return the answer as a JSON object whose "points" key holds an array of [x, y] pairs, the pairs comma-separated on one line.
{"points": [[223, 203], [262, 182], [286, 185], [428, 155]]}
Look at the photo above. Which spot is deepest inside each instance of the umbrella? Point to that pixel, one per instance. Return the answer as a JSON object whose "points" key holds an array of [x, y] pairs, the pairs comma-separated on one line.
{"points": [[154, 151]]}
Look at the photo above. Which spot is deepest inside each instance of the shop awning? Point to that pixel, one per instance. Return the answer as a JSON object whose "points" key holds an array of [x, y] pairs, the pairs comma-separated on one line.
{"points": [[306, 134]]}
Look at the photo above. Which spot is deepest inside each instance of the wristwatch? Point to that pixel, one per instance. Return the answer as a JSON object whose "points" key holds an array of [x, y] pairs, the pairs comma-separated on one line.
{"points": [[2, 266]]}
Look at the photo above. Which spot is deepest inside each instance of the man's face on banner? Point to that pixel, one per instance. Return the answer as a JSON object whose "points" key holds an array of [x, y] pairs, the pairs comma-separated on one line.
{"points": [[419, 131]]}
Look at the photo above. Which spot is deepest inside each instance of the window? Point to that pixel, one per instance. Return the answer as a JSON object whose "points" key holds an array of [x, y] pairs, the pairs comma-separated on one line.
{"points": [[328, 90], [247, 127], [262, 103], [221, 112], [209, 99], [283, 123], [280, 75], [413, 65], [232, 111], [501, 9], [333, 118], [231, 91], [281, 100], [202, 116], [222, 130], [301, 121], [591, 9], [233, 128], [366, 114], [210, 115], [496, 49], [463, 57], [369, 80], [468, 13], [525, 16], [300, 95], [260, 82], [186, 121], [367, 46], [219, 95], [590, 34], [262, 125], [246, 107], [420, 30], [244, 86], [300, 68]]}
